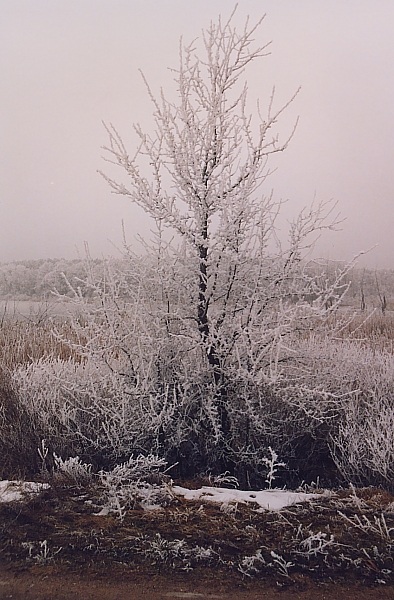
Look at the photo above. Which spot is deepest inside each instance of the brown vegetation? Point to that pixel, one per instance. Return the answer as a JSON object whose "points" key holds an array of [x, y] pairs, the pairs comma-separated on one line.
{"points": [[19, 435], [337, 536], [23, 342]]}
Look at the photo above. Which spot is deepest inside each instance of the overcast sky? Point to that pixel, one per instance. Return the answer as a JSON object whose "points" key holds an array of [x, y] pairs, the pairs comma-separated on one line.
{"points": [[66, 65]]}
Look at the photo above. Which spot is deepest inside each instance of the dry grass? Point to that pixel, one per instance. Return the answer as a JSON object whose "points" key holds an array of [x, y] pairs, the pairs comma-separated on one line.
{"points": [[375, 330], [336, 536], [23, 342]]}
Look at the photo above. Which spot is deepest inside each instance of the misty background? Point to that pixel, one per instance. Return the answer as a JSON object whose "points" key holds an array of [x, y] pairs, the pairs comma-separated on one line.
{"points": [[66, 65]]}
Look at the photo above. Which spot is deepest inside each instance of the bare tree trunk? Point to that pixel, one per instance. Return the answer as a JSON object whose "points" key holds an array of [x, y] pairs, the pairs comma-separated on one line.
{"points": [[212, 352]]}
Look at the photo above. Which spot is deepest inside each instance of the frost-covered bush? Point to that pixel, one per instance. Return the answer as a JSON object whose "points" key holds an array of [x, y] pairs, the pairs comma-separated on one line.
{"points": [[176, 554], [347, 388], [88, 410], [73, 470], [138, 482], [19, 433], [363, 443], [68, 398], [329, 415], [94, 413]]}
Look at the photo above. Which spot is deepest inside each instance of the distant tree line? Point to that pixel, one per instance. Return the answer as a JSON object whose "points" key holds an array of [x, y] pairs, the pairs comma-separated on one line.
{"points": [[40, 279]]}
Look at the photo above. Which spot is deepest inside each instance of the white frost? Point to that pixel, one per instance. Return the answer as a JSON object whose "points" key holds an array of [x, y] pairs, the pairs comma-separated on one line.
{"points": [[266, 499], [11, 491]]}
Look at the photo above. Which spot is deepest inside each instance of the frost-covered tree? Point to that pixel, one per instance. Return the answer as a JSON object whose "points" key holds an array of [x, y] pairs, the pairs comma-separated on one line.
{"points": [[181, 350], [201, 175]]}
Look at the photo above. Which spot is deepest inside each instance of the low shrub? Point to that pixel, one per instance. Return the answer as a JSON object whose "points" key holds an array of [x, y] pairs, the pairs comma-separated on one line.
{"points": [[19, 434], [329, 414]]}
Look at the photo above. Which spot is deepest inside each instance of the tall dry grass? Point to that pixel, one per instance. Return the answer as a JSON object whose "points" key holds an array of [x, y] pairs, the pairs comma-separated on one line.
{"points": [[375, 330], [24, 342]]}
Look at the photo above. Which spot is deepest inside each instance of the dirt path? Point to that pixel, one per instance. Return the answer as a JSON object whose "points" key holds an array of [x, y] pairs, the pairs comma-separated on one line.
{"points": [[43, 584]]}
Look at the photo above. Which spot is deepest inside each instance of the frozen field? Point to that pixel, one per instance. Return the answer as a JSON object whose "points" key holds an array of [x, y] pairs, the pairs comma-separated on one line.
{"points": [[35, 310]]}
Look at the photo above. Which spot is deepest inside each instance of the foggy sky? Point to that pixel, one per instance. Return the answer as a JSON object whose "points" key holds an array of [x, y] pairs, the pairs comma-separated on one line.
{"points": [[66, 65]]}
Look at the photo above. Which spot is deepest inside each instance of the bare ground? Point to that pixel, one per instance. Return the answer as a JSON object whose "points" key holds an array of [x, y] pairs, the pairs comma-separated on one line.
{"points": [[56, 547], [51, 584]]}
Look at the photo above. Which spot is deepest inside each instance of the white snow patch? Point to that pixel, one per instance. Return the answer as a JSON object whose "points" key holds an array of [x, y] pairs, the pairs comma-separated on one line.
{"points": [[266, 499], [11, 491]]}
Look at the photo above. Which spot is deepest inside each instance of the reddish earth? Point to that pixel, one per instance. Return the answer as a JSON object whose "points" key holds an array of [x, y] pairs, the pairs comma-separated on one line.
{"points": [[45, 583]]}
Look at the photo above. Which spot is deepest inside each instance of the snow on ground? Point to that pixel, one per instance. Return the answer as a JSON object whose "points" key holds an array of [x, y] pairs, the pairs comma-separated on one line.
{"points": [[266, 499], [10, 491]]}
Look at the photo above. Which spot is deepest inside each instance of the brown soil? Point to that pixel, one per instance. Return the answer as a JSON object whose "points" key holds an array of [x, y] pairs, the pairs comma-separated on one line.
{"points": [[56, 547], [52, 584]]}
